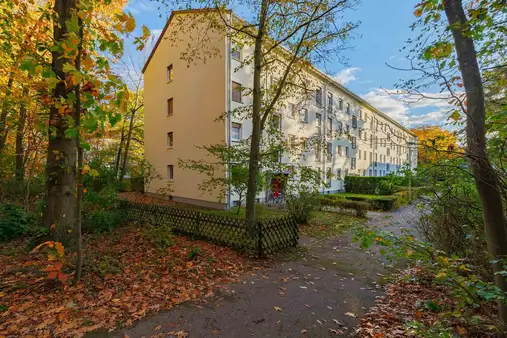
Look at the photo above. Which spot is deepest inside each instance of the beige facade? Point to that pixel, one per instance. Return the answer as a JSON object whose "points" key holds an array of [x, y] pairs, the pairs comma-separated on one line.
{"points": [[358, 139]]}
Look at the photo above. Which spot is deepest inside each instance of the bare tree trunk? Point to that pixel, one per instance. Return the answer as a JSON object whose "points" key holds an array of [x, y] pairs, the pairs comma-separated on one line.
{"points": [[20, 163], [127, 145], [253, 166], [59, 213], [5, 111], [118, 154], [486, 179]]}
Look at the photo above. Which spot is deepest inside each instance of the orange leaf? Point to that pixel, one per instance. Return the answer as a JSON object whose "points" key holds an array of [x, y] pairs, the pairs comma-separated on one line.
{"points": [[59, 249], [53, 275]]}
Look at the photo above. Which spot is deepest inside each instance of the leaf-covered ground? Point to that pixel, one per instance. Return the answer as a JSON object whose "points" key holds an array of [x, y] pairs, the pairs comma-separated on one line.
{"points": [[125, 278], [413, 306]]}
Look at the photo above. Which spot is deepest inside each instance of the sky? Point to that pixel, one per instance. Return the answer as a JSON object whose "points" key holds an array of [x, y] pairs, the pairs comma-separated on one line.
{"points": [[384, 30]]}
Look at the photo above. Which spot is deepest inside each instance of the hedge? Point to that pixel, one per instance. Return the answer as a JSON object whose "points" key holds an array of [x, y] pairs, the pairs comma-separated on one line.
{"points": [[373, 185], [333, 202], [384, 203]]}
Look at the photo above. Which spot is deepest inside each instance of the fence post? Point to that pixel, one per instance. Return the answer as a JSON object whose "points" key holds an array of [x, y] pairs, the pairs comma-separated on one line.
{"points": [[259, 240]]}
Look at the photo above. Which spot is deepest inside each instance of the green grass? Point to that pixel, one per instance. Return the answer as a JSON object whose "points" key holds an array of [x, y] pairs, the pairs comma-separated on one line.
{"points": [[365, 196], [327, 224], [262, 212]]}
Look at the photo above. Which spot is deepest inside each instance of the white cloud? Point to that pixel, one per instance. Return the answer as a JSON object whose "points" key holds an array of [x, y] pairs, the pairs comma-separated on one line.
{"points": [[346, 75], [408, 109]]}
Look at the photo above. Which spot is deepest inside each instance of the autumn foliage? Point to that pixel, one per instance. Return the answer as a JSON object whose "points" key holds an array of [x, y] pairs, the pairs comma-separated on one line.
{"points": [[436, 144]]}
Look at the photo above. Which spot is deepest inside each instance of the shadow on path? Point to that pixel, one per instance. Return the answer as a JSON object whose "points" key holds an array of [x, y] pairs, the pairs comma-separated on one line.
{"points": [[319, 295]]}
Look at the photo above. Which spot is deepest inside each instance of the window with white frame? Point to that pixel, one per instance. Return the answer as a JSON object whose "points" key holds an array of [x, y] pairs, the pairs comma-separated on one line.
{"points": [[318, 96], [317, 152], [348, 108], [292, 110], [329, 175], [340, 104], [329, 151], [304, 115], [346, 151], [318, 123], [329, 127], [330, 102], [236, 92], [353, 163], [347, 129], [340, 128], [236, 52], [354, 122], [236, 131], [354, 143]]}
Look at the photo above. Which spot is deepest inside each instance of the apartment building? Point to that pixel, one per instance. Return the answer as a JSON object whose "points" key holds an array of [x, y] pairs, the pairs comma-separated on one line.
{"points": [[183, 100]]}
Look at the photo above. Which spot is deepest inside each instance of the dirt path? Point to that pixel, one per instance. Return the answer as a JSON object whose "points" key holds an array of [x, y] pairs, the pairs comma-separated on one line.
{"points": [[320, 295]]}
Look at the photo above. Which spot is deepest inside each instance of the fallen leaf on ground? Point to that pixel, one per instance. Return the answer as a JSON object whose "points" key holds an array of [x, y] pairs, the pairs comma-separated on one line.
{"points": [[278, 309]]}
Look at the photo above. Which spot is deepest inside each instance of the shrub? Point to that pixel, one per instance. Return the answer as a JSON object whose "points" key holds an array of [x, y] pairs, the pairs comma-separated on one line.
{"points": [[301, 206], [362, 184], [337, 202], [13, 222], [102, 220], [161, 236]]}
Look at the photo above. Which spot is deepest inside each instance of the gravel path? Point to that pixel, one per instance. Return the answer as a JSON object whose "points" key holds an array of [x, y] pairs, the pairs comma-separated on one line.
{"points": [[320, 295]]}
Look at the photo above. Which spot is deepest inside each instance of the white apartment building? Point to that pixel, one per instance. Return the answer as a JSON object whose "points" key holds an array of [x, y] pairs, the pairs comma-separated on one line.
{"points": [[359, 139]]}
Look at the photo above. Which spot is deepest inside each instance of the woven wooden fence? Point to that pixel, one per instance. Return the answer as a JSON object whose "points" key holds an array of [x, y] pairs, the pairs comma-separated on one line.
{"points": [[267, 237]]}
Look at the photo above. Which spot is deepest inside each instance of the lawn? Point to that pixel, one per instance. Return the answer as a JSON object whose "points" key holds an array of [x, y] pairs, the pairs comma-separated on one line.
{"points": [[365, 196], [326, 224]]}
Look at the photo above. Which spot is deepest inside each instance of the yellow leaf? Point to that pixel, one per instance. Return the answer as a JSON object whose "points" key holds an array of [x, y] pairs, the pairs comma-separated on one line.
{"points": [[130, 24], [86, 169], [59, 249], [278, 309]]}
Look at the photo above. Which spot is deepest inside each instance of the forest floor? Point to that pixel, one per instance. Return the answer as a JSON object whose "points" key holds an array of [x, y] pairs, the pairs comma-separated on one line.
{"points": [[321, 291]]}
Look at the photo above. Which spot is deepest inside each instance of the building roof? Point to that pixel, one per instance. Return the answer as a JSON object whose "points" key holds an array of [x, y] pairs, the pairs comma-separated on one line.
{"points": [[327, 78]]}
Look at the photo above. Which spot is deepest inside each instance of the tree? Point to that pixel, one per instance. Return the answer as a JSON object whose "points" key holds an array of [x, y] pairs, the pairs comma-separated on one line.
{"points": [[480, 26], [286, 38], [435, 144]]}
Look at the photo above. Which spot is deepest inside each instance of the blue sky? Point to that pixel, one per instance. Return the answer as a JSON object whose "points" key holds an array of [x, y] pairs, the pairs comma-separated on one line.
{"points": [[385, 26]]}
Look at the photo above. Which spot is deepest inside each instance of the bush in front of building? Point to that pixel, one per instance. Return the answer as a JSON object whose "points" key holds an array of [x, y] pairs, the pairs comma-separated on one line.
{"points": [[302, 205], [373, 185], [360, 209]]}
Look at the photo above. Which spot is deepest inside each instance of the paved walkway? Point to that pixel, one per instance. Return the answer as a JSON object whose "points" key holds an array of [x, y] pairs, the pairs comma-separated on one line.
{"points": [[320, 295]]}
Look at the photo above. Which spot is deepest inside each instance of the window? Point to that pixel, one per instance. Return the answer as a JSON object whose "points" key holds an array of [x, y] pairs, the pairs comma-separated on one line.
{"points": [[170, 73], [318, 96], [329, 151], [354, 122], [236, 52], [329, 175], [371, 157], [170, 108], [353, 163], [318, 123], [365, 136], [359, 154], [340, 104], [388, 152], [346, 172], [339, 174], [329, 102], [329, 127], [371, 140], [304, 115], [365, 117], [276, 122], [376, 142], [170, 139], [236, 132], [340, 128], [317, 152], [376, 159], [347, 129], [369, 172], [375, 172], [236, 92], [292, 110], [360, 134], [388, 167], [354, 143], [347, 151], [348, 108], [364, 154], [360, 114], [339, 150], [170, 172]]}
